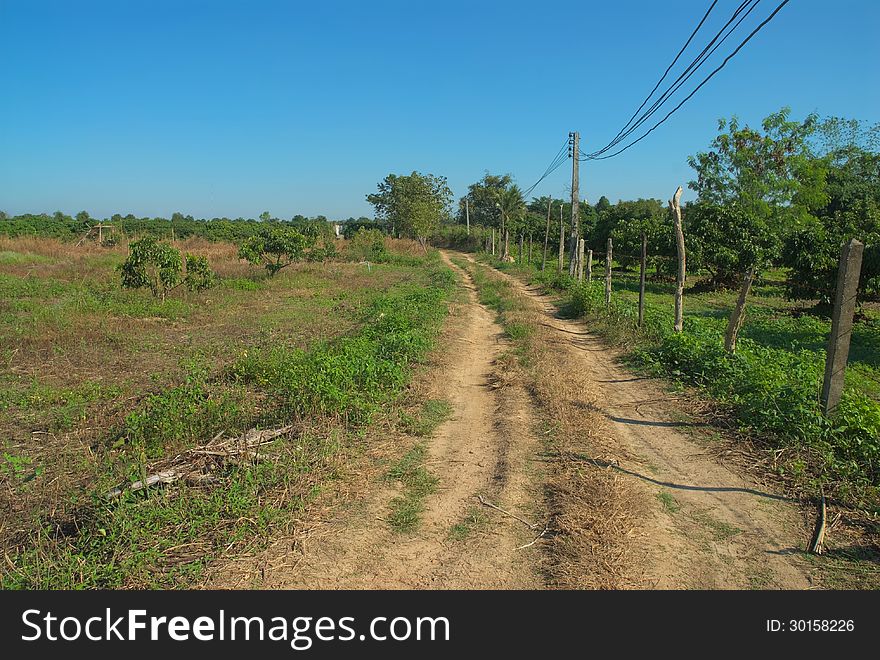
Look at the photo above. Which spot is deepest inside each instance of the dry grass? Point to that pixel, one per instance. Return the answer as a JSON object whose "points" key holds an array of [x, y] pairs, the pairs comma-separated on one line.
{"points": [[591, 507]]}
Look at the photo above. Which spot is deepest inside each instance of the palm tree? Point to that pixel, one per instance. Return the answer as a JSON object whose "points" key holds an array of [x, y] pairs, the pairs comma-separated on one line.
{"points": [[512, 206]]}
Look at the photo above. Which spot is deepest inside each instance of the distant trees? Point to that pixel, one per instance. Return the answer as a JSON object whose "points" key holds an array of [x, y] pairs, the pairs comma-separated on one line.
{"points": [[159, 267], [414, 204], [483, 199]]}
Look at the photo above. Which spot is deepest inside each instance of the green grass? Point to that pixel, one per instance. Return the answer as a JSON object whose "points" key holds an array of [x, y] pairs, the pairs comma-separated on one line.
{"points": [[431, 415], [718, 529], [417, 483], [475, 521], [669, 502]]}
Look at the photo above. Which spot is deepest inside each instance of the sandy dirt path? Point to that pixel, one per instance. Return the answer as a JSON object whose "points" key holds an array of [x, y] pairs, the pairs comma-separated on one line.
{"points": [[710, 526], [473, 453]]}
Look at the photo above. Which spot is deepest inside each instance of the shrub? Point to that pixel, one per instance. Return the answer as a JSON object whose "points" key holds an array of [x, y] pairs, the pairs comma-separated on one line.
{"points": [[159, 267]]}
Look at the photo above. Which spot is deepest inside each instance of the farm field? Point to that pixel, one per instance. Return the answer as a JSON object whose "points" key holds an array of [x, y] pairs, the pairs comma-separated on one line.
{"points": [[102, 386]]}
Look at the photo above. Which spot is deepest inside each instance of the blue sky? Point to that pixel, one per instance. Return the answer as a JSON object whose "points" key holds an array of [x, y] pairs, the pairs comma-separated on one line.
{"points": [[232, 108]]}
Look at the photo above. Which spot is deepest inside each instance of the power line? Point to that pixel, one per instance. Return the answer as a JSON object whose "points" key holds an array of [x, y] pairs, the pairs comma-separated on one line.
{"points": [[697, 88], [557, 161], [669, 68], [692, 68]]}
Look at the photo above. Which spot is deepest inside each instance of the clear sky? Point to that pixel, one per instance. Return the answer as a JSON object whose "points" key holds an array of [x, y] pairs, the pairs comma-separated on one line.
{"points": [[232, 108]]}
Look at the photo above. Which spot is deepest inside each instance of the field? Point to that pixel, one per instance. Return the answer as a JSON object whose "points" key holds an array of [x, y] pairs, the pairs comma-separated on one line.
{"points": [[104, 386]]}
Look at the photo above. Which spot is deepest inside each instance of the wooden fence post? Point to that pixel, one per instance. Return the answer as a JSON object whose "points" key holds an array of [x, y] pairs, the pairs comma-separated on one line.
{"points": [[608, 274], [675, 207], [642, 265], [589, 266], [493, 241], [521, 248], [530, 250], [580, 266], [848, 272], [561, 241], [546, 235]]}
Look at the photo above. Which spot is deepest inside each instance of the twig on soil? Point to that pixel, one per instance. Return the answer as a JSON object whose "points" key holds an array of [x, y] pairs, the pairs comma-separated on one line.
{"points": [[486, 502], [537, 538]]}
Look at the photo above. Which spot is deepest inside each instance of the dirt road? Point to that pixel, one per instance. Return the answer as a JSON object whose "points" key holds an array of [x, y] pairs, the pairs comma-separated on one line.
{"points": [[710, 526], [460, 543], [691, 521]]}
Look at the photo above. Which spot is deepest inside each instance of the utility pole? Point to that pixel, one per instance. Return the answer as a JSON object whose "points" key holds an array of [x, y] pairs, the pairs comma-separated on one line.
{"points": [[574, 152], [467, 215]]}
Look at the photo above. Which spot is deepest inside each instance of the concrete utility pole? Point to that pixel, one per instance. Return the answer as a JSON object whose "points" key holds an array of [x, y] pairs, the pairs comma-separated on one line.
{"points": [[575, 141], [467, 215], [848, 272]]}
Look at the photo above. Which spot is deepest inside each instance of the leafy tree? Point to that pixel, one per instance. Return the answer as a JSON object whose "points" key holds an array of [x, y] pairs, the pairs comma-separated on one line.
{"points": [[159, 267], [602, 205], [762, 183], [415, 204], [368, 245], [849, 150], [276, 246], [625, 221]]}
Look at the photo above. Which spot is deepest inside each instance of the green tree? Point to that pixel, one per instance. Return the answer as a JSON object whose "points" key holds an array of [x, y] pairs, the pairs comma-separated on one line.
{"points": [[483, 199], [276, 246], [414, 204], [849, 150], [762, 183], [159, 267]]}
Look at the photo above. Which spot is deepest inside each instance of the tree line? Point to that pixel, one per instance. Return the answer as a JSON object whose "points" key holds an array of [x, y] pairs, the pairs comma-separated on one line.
{"points": [[66, 227], [784, 194]]}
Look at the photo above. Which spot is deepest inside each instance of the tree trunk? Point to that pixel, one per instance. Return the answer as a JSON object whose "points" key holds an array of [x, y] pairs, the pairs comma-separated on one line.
{"points": [[675, 207], [739, 312], [506, 255]]}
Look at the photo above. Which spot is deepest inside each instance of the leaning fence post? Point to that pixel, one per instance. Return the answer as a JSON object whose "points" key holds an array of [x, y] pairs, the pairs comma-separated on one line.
{"points": [[642, 266], [675, 207], [848, 272], [589, 266], [608, 274]]}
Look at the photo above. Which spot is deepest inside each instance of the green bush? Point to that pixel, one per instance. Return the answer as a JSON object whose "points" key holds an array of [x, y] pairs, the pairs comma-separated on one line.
{"points": [[159, 267]]}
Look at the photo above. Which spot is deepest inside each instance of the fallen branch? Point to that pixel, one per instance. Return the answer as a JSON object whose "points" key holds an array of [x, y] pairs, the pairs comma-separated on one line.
{"points": [[166, 477], [233, 450], [537, 538], [486, 502]]}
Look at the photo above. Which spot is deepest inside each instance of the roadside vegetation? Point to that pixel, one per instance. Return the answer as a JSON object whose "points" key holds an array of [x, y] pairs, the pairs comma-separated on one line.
{"points": [[774, 204]]}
